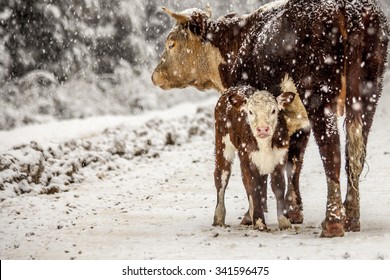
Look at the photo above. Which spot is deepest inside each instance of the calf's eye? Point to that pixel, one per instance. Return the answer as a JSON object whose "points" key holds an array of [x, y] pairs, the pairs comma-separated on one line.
{"points": [[250, 113], [171, 45], [273, 111]]}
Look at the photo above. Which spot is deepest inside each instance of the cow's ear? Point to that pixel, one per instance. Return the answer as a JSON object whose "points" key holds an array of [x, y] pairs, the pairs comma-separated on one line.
{"points": [[180, 18], [237, 100], [208, 10], [285, 99]]}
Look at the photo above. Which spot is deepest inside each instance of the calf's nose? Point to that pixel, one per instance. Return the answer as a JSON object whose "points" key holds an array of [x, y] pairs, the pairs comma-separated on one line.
{"points": [[263, 129]]}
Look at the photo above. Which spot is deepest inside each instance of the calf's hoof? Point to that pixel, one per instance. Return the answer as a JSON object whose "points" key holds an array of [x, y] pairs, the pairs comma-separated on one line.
{"points": [[219, 225], [284, 223], [246, 221], [332, 229], [260, 225], [219, 222], [352, 224], [295, 216]]}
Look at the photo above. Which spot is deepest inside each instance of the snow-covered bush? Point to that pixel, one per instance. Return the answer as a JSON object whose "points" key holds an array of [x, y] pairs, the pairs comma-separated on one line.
{"points": [[64, 37]]}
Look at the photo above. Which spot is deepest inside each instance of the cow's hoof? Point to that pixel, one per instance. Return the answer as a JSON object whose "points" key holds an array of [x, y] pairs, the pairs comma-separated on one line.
{"points": [[332, 229], [295, 216], [352, 224], [284, 223]]}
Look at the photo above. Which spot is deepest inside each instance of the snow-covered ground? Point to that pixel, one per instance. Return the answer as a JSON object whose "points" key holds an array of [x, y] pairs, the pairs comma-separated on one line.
{"points": [[141, 187]]}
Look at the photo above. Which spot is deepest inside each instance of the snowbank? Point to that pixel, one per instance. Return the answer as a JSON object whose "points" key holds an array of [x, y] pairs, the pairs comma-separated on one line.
{"points": [[47, 170]]}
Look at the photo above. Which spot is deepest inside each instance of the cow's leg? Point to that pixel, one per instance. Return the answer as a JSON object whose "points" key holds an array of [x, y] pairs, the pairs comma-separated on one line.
{"points": [[327, 137], [278, 184], [298, 143], [223, 161], [252, 181], [364, 89]]}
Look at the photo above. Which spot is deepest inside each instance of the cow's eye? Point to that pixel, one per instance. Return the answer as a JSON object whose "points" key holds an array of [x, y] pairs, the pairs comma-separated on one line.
{"points": [[250, 113], [171, 45], [273, 111]]}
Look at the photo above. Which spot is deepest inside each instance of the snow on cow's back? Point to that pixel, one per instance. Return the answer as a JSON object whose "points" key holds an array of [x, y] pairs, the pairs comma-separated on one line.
{"points": [[272, 5]]}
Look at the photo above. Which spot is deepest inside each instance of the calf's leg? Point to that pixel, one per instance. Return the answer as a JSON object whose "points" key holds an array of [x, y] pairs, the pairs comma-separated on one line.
{"points": [[298, 143], [278, 184], [223, 163], [221, 180], [247, 220], [252, 181]]}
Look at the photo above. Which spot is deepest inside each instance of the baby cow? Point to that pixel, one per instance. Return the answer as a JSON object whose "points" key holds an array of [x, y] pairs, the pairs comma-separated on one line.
{"points": [[258, 126]]}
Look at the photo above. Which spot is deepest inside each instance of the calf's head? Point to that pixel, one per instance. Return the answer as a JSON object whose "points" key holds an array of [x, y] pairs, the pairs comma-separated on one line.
{"points": [[261, 107], [188, 59]]}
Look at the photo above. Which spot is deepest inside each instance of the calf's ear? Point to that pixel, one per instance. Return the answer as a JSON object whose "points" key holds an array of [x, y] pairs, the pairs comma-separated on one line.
{"points": [[285, 99], [180, 18], [237, 101]]}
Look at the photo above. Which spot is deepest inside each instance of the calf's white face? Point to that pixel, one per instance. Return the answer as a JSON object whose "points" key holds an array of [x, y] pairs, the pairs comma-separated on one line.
{"points": [[262, 110]]}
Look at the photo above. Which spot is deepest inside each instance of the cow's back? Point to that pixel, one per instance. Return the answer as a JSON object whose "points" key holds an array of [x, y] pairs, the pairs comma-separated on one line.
{"points": [[308, 40]]}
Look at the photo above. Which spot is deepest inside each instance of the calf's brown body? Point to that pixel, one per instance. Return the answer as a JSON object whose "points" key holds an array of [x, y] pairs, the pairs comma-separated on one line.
{"points": [[237, 132]]}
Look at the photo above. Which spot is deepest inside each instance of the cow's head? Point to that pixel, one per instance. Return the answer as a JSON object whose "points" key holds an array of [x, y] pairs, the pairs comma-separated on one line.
{"points": [[261, 107], [189, 59]]}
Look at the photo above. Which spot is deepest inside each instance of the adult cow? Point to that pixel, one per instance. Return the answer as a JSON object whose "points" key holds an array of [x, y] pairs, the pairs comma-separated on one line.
{"points": [[334, 50]]}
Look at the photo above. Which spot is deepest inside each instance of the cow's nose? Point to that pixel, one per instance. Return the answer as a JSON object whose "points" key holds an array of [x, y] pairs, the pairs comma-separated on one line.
{"points": [[154, 78], [263, 129]]}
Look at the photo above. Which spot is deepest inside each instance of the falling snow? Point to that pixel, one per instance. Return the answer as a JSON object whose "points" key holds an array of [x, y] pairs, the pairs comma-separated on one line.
{"points": [[91, 156]]}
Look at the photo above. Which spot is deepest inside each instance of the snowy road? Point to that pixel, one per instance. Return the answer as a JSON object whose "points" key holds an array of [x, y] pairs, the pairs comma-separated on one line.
{"points": [[159, 204]]}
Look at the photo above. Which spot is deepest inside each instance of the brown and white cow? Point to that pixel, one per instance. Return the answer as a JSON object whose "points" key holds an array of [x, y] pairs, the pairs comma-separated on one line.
{"points": [[334, 50], [257, 126]]}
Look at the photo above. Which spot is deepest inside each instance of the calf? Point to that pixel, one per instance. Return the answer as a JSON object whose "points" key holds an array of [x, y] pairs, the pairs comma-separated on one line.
{"points": [[258, 126]]}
